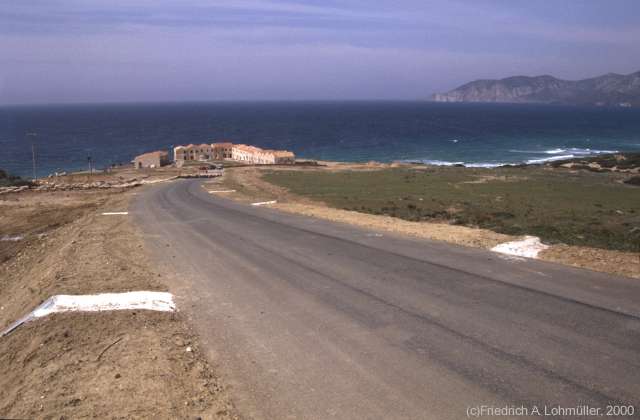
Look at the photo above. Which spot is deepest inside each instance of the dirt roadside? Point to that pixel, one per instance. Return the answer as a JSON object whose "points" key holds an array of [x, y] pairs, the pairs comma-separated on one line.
{"points": [[248, 186], [127, 364]]}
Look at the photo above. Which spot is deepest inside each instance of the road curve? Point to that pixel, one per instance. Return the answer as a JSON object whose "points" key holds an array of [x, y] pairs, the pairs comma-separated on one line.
{"points": [[310, 319]]}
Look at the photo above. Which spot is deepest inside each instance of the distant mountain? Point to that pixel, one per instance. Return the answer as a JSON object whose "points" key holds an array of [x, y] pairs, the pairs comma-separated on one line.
{"points": [[607, 90]]}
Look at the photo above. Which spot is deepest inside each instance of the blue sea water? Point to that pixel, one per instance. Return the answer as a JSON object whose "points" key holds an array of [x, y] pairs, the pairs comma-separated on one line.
{"points": [[473, 134]]}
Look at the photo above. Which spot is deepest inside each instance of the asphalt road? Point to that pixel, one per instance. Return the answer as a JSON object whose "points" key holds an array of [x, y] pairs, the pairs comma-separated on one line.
{"points": [[310, 319]]}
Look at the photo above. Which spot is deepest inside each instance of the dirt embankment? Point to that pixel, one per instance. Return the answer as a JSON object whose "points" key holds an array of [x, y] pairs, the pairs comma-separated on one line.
{"points": [[250, 186], [126, 364]]}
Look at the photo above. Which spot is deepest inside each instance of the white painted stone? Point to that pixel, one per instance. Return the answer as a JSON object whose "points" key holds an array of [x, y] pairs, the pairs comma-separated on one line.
{"points": [[264, 203], [152, 301], [7, 238], [115, 213], [528, 247]]}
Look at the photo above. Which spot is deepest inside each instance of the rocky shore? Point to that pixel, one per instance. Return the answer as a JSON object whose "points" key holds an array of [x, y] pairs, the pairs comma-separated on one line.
{"points": [[616, 162]]}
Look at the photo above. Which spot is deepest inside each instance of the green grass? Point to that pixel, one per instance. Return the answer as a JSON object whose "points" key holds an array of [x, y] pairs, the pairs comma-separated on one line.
{"points": [[587, 208]]}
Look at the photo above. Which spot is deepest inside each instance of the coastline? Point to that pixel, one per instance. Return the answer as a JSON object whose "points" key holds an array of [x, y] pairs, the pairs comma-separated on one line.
{"points": [[605, 161], [558, 157]]}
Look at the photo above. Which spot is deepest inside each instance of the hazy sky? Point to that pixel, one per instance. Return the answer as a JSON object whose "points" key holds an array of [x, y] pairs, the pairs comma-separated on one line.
{"points": [[158, 50]]}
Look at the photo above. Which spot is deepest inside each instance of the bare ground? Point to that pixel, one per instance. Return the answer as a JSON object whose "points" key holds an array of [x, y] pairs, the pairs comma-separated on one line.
{"points": [[250, 187], [128, 364]]}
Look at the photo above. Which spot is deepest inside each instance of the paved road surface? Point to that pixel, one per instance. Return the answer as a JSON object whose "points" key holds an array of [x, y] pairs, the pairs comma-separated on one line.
{"points": [[310, 319]]}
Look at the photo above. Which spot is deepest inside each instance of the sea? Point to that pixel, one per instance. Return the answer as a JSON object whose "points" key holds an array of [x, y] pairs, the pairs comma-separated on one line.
{"points": [[66, 137]]}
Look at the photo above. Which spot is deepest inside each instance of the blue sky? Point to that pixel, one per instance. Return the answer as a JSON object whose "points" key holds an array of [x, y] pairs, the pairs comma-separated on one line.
{"points": [[179, 50]]}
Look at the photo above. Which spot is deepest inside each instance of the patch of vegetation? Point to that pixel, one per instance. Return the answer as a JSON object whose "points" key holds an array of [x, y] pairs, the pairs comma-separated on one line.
{"points": [[621, 161], [585, 208], [7, 180]]}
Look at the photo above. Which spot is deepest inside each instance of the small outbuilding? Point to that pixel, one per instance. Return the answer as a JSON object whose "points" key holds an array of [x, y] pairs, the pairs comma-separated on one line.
{"points": [[284, 157], [151, 160]]}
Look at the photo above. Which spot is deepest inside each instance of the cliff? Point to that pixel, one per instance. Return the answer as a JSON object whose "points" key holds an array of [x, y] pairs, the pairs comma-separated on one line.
{"points": [[607, 90]]}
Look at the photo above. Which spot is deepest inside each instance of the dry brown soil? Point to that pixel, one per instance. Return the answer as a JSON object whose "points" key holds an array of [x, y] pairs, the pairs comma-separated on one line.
{"points": [[126, 364]]}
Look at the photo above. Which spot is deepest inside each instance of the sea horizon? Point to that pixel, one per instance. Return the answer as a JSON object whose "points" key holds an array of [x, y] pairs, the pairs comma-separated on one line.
{"points": [[472, 134], [226, 101], [309, 100]]}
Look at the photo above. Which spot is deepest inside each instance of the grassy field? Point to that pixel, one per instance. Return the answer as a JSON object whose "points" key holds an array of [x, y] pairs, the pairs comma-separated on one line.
{"points": [[581, 208]]}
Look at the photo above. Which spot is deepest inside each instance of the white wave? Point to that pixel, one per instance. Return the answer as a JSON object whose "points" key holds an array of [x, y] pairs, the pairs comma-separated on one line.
{"points": [[549, 159], [524, 151], [556, 154], [440, 162], [468, 165], [582, 152], [487, 165], [571, 150]]}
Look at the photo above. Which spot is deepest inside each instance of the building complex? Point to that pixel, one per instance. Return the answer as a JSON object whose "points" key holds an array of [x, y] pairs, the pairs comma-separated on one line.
{"points": [[230, 151]]}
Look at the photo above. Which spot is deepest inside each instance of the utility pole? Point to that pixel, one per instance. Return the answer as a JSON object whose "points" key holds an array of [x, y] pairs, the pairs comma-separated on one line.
{"points": [[90, 167], [33, 154]]}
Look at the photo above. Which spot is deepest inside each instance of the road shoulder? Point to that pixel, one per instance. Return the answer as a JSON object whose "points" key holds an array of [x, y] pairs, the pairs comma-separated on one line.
{"points": [[126, 364]]}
